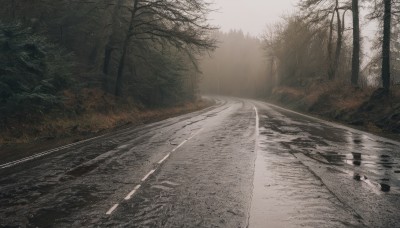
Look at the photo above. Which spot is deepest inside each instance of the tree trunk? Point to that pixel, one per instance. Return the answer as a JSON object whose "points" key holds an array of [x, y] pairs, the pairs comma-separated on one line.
{"points": [[330, 42], [336, 60], [106, 66], [121, 63], [121, 66], [108, 50], [386, 45], [355, 64]]}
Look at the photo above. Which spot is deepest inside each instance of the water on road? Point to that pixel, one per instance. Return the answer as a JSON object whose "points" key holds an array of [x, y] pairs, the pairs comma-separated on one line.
{"points": [[240, 163]]}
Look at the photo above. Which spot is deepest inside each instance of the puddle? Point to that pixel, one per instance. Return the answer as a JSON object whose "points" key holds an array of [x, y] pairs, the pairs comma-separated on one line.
{"points": [[385, 187], [334, 157]]}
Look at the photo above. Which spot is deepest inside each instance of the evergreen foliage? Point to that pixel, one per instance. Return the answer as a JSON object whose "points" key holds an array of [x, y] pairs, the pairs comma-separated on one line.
{"points": [[32, 73]]}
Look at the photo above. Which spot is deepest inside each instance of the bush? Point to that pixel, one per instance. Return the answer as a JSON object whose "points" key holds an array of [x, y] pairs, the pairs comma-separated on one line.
{"points": [[33, 71]]}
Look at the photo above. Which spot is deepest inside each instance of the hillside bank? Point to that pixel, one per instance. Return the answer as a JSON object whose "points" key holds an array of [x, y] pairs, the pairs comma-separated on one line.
{"points": [[365, 109], [89, 114]]}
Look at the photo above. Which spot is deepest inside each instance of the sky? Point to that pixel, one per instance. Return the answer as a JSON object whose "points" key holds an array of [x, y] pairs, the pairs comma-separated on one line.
{"points": [[251, 16]]}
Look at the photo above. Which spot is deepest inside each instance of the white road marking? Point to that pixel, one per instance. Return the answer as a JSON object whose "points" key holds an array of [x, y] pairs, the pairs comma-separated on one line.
{"points": [[38, 155], [112, 209], [185, 141], [147, 175], [129, 196], [123, 147], [257, 120], [179, 145], [132, 192], [195, 134], [165, 158]]}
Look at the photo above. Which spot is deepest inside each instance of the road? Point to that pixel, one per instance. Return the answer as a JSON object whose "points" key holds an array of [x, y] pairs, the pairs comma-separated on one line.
{"points": [[239, 163]]}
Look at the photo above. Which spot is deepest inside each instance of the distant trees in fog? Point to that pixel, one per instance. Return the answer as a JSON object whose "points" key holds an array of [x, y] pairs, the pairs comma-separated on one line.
{"points": [[236, 68], [318, 44]]}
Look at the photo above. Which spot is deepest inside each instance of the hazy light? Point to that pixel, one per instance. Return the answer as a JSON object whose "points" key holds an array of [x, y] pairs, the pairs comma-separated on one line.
{"points": [[251, 16]]}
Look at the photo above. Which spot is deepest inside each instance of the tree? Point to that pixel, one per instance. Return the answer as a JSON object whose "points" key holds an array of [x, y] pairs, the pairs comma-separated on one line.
{"points": [[236, 67], [321, 12], [32, 72], [355, 66], [111, 40], [387, 17], [296, 49], [180, 23]]}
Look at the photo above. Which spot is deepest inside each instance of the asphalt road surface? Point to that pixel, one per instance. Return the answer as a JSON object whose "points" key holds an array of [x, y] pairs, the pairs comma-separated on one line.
{"points": [[240, 163]]}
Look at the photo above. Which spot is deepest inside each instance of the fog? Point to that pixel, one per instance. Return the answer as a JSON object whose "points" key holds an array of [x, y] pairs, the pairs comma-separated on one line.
{"points": [[242, 66], [236, 68], [250, 16]]}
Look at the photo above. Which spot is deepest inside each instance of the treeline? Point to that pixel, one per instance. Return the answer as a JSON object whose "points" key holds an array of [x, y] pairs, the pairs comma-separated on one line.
{"points": [[236, 67], [321, 43], [141, 50]]}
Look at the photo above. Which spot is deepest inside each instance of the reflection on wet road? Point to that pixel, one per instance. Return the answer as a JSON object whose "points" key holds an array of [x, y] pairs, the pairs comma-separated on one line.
{"points": [[240, 163], [318, 174]]}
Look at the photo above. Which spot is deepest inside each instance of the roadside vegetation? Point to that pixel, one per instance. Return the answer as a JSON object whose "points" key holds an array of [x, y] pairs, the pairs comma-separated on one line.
{"points": [[315, 61], [81, 67]]}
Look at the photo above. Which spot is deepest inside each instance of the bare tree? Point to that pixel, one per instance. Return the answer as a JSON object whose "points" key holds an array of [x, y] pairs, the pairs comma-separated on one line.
{"points": [[355, 69], [387, 18], [321, 12], [294, 51], [111, 41], [180, 23]]}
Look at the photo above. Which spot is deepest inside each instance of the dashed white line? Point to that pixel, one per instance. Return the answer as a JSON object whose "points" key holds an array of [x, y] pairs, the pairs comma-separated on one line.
{"points": [[165, 158], [147, 175], [257, 121], [179, 145], [129, 196], [195, 134], [185, 141], [132, 192], [109, 212]]}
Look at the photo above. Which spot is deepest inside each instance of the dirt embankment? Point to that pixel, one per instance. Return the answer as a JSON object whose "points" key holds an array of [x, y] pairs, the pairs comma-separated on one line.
{"points": [[367, 109], [88, 114]]}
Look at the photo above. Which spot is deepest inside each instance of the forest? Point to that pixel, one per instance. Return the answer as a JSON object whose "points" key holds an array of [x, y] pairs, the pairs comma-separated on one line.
{"points": [[316, 60], [200, 113], [77, 66], [69, 64]]}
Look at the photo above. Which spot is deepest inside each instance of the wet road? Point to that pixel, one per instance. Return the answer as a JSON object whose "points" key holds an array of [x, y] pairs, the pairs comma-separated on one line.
{"points": [[239, 163]]}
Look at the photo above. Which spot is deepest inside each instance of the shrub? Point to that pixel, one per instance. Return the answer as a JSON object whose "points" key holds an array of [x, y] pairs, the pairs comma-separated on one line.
{"points": [[33, 71]]}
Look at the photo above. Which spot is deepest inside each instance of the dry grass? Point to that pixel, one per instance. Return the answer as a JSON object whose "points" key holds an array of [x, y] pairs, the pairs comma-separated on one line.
{"points": [[341, 97], [100, 113], [341, 102], [290, 91], [335, 95]]}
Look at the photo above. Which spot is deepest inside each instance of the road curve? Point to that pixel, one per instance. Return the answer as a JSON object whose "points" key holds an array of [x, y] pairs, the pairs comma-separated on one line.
{"points": [[239, 163]]}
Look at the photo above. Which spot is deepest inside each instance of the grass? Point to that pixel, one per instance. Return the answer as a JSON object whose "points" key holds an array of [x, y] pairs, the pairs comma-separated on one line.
{"points": [[96, 113], [337, 95], [340, 102]]}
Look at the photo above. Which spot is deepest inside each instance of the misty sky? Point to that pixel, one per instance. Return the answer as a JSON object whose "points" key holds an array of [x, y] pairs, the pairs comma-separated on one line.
{"points": [[251, 16]]}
